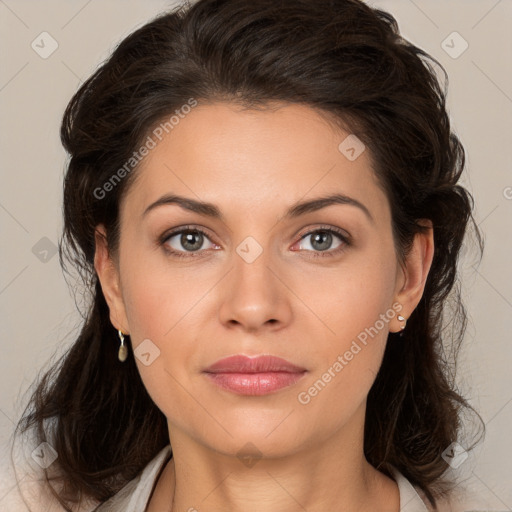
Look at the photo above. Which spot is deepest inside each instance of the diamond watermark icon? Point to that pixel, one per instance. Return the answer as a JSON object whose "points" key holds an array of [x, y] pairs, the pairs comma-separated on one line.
{"points": [[454, 45], [45, 455], [146, 352], [455, 455], [351, 147], [249, 249], [249, 455], [44, 45], [44, 249]]}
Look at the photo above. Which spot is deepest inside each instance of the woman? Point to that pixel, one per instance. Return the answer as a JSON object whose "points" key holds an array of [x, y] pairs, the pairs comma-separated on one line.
{"points": [[263, 199]]}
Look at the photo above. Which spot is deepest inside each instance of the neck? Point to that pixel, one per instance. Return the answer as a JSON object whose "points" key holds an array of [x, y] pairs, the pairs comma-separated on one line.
{"points": [[332, 476]]}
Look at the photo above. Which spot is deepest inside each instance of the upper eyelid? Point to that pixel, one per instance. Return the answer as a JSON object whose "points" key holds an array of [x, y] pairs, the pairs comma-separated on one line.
{"points": [[337, 231]]}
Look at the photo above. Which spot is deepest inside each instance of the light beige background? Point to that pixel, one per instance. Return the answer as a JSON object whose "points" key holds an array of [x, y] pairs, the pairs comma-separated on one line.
{"points": [[39, 317]]}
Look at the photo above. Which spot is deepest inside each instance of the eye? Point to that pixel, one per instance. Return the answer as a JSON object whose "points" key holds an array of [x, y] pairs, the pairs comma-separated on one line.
{"points": [[322, 239], [188, 241], [184, 242]]}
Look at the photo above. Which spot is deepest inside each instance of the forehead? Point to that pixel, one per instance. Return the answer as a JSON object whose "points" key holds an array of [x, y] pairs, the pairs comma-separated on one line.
{"points": [[254, 160]]}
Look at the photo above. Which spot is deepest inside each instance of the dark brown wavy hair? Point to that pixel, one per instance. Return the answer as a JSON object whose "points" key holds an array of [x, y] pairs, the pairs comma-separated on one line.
{"points": [[347, 61]]}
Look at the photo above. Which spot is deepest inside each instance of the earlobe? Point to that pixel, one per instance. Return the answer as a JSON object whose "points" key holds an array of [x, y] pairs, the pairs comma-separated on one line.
{"points": [[108, 276], [416, 269]]}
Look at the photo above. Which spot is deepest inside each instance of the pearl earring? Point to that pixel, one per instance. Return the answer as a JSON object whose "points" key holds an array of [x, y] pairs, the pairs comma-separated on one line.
{"points": [[402, 319]]}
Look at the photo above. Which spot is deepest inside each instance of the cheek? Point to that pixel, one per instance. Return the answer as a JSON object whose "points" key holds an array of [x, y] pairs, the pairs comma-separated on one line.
{"points": [[347, 363], [350, 299], [355, 309], [159, 304], [156, 295], [157, 315], [150, 307]]}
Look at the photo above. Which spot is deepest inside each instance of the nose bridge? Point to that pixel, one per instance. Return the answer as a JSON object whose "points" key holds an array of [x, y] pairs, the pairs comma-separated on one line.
{"points": [[254, 294]]}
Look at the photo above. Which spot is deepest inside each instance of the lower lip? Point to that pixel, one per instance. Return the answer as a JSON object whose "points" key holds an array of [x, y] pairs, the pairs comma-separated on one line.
{"points": [[255, 384]]}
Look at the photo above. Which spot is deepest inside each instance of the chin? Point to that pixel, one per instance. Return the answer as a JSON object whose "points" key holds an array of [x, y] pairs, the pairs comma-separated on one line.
{"points": [[267, 440]]}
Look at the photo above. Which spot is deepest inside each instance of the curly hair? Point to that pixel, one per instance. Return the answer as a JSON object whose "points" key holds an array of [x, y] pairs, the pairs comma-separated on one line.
{"points": [[349, 62]]}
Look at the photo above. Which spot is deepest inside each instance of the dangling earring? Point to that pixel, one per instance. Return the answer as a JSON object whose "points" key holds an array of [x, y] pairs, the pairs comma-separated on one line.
{"points": [[404, 320], [123, 349]]}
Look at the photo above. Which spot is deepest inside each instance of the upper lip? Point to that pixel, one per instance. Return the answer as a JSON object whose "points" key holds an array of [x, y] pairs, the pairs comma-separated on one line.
{"points": [[259, 364]]}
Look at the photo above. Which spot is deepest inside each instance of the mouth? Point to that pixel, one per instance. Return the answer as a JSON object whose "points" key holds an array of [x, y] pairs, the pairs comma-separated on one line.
{"points": [[254, 376]]}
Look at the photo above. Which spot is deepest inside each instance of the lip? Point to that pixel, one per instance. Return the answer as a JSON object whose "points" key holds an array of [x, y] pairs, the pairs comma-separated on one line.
{"points": [[260, 375], [259, 364]]}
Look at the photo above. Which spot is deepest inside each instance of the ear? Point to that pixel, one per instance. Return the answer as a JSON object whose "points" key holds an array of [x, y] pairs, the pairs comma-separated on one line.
{"points": [[415, 271], [108, 275]]}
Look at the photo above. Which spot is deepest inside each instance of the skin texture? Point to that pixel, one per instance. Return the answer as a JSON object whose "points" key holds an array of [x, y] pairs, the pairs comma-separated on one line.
{"points": [[253, 165]]}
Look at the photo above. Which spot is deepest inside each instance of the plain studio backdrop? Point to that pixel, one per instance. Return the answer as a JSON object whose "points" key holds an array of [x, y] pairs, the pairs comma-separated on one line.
{"points": [[48, 49]]}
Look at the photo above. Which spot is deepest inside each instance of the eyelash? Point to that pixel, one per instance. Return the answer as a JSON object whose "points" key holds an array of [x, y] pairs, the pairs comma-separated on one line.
{"points": [[315, 254]]}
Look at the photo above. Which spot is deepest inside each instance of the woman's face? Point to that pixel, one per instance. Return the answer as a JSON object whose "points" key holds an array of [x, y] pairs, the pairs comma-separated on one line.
{"points": [[264, 279]]}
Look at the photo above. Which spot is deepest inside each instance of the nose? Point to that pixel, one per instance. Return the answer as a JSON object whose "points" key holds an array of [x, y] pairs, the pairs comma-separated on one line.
{"points": [[255, 295]]}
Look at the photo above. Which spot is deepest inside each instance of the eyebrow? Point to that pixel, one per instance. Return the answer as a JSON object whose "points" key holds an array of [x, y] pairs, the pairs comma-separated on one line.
{"points": [[296, 210]]}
